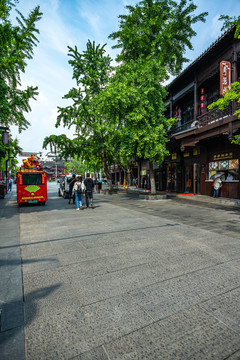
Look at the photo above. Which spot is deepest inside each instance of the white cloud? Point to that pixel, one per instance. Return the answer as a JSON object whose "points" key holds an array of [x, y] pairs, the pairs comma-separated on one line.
{"points": [[215, 27]]}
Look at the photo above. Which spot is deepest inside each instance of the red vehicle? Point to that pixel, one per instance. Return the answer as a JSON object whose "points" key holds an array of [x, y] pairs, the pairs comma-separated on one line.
{"points": [[31, 182]]}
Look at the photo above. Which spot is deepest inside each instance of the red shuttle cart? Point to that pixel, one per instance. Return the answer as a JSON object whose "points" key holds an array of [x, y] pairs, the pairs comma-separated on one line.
{"points": [[31, 182]]}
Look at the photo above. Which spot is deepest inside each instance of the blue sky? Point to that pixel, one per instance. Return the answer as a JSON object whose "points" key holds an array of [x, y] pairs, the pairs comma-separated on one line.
{"points": [[73, 22]]}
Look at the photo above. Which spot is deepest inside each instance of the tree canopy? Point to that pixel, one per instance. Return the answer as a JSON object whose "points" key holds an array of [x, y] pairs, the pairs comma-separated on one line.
{"points": [[158, 28], [118, 113], [94, 138], [153, 38], [16, 47]]}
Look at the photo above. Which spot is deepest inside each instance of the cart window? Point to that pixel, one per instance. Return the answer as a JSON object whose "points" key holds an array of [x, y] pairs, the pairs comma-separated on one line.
{"points": [[32, 179]]}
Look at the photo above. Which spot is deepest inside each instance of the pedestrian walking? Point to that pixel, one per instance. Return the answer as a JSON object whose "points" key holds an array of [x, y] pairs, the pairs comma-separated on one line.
{"points": [[71, 184], [216, 187], [89, 184], [77, 192], [10, 184]]}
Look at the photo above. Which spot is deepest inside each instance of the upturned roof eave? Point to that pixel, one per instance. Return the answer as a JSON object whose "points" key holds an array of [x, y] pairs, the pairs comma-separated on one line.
{"points": [[202, 56]]}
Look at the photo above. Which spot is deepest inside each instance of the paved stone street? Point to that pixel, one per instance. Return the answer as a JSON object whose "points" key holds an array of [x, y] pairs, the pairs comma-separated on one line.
{"points": [[131, 279]]}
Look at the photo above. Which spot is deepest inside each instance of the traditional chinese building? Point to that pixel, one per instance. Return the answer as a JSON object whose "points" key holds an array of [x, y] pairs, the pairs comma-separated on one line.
{"points": [[201, 140]]}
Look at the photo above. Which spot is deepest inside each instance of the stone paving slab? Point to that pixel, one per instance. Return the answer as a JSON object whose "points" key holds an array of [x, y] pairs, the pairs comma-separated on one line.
{"points": [[113, 275], [125, 281], [12, 345], [84, 328], [226, 307], [191, 334]]}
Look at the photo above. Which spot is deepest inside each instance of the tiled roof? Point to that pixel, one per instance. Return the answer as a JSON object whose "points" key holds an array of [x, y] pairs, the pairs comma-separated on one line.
{"points": [[205, 53]]}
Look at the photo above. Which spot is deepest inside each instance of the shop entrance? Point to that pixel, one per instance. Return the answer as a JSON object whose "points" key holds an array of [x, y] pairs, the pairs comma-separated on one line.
{"points": [[188, 179], [196, 179], [192, 179], [172, 177]]}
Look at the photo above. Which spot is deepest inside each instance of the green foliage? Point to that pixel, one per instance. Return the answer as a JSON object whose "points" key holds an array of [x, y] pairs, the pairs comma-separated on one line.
{"points": [[119, 116], [94, 134], [79, 166], [236, 140], [12, 149], [231, 95], [160, 28], [134, 99], [152, 37], [16, 47], [231, 21]]}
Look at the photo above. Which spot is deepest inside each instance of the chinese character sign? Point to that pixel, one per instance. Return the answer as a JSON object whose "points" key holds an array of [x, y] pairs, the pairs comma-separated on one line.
{"points": [[225, 76]]}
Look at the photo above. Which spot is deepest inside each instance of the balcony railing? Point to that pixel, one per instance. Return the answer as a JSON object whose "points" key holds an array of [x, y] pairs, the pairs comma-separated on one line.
{"points": [[211, 117], [214, 115]]}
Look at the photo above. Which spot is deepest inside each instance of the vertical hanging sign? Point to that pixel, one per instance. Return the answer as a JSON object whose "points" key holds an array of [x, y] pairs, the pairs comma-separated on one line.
{"points": [[225, 76]]}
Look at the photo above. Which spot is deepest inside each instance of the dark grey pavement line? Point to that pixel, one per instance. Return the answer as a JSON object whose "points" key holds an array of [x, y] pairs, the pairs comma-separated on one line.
{"points": [[69, 238], [12, 340]]}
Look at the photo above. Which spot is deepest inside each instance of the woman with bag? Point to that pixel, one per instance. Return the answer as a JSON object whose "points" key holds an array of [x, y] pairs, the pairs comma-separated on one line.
{"points": [[78, 190], [216, 187]]}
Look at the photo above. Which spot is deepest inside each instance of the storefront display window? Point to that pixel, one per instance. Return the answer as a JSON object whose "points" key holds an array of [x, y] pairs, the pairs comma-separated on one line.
{"points": [[213, 165], [233, 164], [229, 168], [223, 165]]}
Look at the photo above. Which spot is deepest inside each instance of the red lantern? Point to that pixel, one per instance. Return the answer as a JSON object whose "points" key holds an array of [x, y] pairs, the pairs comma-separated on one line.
{"points": [[202, 91], [202, 106], [202, 98], [177, 107], [177, 113]]}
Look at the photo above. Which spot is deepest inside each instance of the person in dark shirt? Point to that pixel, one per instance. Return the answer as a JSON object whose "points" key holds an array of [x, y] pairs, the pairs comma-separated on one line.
{"points": [[71, 184], [89, 185]]}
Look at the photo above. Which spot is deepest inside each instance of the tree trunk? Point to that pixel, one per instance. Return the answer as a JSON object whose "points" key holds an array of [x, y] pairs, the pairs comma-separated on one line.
{"points": [[128, 176], [106, 170], [124, 179], [152, 178], [108, 175]]}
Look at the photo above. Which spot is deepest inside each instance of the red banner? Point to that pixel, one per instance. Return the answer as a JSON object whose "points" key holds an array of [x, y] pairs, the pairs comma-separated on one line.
{"points": [[225, 76]]}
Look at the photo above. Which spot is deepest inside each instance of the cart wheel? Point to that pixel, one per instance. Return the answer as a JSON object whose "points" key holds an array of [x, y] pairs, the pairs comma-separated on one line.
{"points": [[43, 202]]}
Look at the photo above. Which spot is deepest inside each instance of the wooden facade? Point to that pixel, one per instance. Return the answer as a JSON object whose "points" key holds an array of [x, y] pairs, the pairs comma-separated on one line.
{"points": [[200, 141]]}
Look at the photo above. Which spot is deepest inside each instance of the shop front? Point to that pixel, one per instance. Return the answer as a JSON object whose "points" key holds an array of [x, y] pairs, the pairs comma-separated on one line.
{"points": [[191, 170], [225, 165]]}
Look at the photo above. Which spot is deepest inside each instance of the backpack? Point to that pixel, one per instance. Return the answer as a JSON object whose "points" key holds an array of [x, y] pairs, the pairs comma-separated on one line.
{"points": [[79, 189]]}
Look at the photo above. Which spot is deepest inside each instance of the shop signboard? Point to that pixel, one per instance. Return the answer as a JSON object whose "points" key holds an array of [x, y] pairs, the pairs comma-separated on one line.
{"points": [[225, 76], [28, 154]]}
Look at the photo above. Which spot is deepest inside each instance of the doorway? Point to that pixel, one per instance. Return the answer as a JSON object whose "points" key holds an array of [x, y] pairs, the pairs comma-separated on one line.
{"points": [[172, 177], [196, 179]]}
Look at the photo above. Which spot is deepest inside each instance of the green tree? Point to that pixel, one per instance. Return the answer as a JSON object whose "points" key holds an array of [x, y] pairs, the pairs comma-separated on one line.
{"points": [[79, 166], [234, 93], [230, 21], [12, 149], [16, 47], [135, 99], [94, 134], [153, 38]]}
